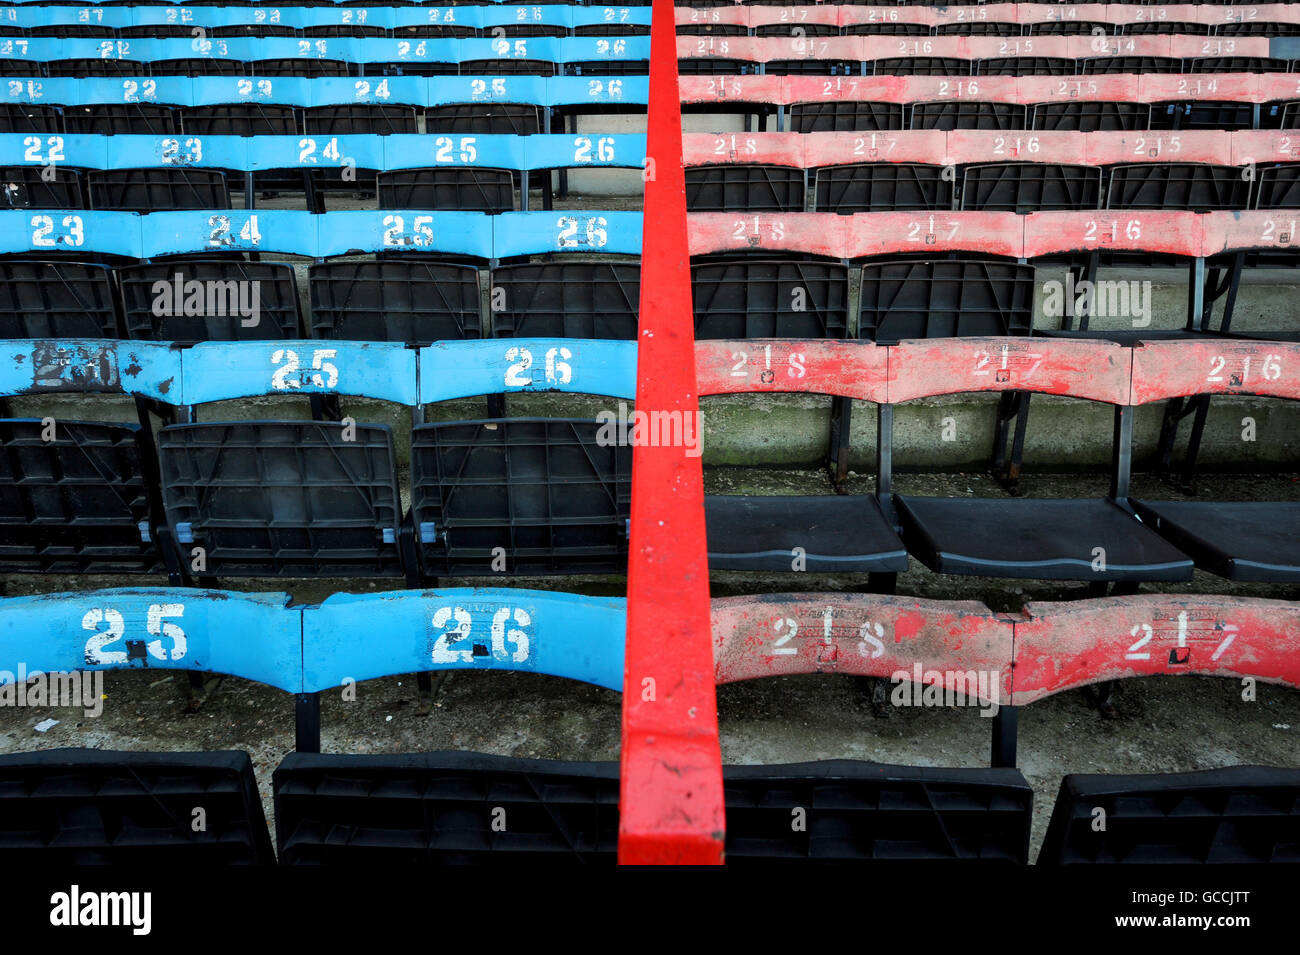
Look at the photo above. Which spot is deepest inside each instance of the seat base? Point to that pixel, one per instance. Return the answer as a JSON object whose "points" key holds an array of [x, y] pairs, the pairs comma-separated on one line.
{"points": [[844, 534], [1239, 540], [1091, 540]]}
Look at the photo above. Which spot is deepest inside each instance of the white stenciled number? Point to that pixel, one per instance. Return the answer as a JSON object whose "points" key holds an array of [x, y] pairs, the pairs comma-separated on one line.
{"points": [[161, 628], [515, 635], [786, 629], [96, 654], [458, 632]]}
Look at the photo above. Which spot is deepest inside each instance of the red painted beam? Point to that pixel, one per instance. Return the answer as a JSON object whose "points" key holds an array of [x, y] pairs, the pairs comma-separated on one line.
{"points": [[670, 788]]}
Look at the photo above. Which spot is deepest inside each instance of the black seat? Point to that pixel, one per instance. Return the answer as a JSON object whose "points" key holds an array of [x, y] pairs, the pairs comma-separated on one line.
{"points": [[1192, 187], [56, 300], [107, 119], [412, 300], [157, 190], [284, 498], [967, 114], [94, 807], [833, 533], [1239, 540], [441, 808], [240, 119], [939, 298], [26, 187], [232, 309], [845, 117], [510, 119], [77, 503], [457, 188], [769, 298], [1089, 116], [24, 118], [741, 188], [868, 812], [1037, 539], [359, 119], [566, 300], [1242, 814], [882, 187], [547, 493], [1030, 187]]}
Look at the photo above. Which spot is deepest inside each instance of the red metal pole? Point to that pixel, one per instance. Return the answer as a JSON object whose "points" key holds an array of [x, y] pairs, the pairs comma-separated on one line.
{"points": [[671, 783]]}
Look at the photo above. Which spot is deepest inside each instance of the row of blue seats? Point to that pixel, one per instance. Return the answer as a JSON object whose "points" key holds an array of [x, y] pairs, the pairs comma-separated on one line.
{"points": [[302, 233], [307, 649], [381, 153], [388, 18], [386, 371], [326, 90], [578, 49]]}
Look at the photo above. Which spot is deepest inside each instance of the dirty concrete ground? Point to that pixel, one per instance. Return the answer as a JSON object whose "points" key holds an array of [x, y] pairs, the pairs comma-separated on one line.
{"points": [[1162, 724]]}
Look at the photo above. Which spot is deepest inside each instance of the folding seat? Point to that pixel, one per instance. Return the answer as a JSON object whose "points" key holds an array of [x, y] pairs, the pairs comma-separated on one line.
{"points": [[56, 299], [1069, 28], [100, 807], [567, 300], [696, 20], [1088, 116], [1235, 64], [440, 807], [27, 187], [827, 532], [79, 496], [344, 30], [845, 116], [1228, 101], [197, 285], [365, 119], [304, 67], [920, 66], [107, 119], [1024, 66], [856, 810], [486, 105], [768, 277], [716, 55], [157, 189], [1041, 172], [1092, 65], [757, 173], [884, 171], [1238, 815], [416, 292], [284, 498], [1258, 28], [1097, 541], [240, 119], [1240, 540], [30, 118], [1192, 171], [966, 115], [940, 275]]}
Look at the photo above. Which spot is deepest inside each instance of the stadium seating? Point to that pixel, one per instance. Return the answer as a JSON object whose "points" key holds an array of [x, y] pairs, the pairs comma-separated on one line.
{"points": [[360, 203]]}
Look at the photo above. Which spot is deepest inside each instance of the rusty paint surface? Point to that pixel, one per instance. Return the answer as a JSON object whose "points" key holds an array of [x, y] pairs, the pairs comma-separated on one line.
{"points": [[1059, 646], [1099, 88], [940, 89], [794, 15], [846, 48], [853, 15], [818, 233], [925, 233], [849, 368], [989, 47], [1171, 233], [1168, 13], [1015, 145], [1126, 146], [1190, 87], [1220, 367], [774, 149], [825, 89], [745, 48], [877, 146], [1187, 47], [1097, 370], [704, 16], [1265, 145], [860, 634], [1230, 231], [670, 781], [732, 89]]}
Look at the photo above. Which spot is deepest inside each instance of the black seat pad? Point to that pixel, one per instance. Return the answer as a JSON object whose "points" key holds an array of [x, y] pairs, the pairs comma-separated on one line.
{"points": [[847, 534], [1040, 539], [1240, 540]]}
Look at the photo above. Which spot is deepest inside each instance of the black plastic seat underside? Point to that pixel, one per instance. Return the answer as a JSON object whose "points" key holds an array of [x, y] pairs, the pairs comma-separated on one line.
{"points": [[1037, 539], [845, 534], [1239, 540], [1241, 814]]}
